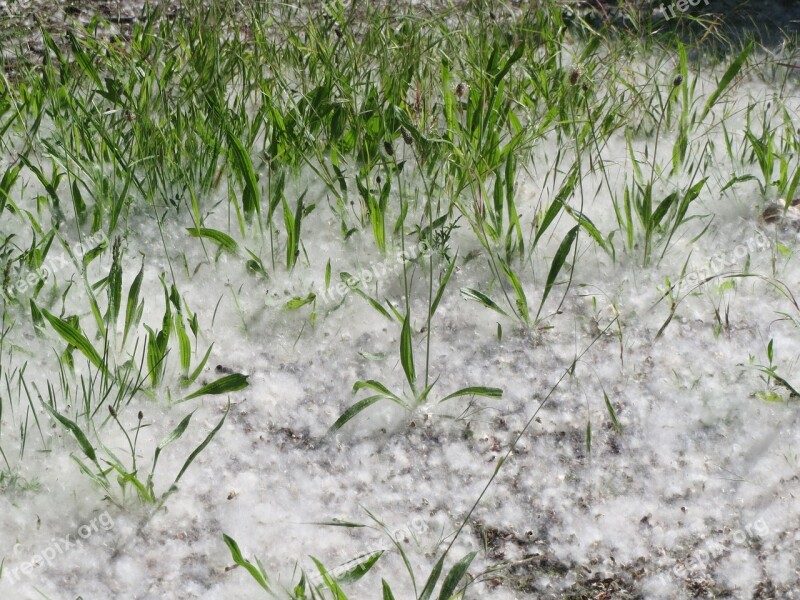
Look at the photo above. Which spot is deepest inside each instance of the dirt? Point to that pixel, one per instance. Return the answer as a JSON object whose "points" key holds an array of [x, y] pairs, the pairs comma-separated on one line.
{"points": [[771, 21]]}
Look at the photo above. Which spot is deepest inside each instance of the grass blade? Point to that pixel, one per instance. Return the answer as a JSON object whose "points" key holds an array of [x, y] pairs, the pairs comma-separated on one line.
{"points": [[521, 301], [240, 560], [612, 413], [387, 591], [483, 299], [407, 353], [132, 307], [200, 448], [185, 381], [443, 284], [558, 262], [230, 383], [353, 411], [176, 433], [242, 163], [732, 71], [184, 345], [114, 285], [77, 433], [373, 385], [455, 575], [359, 570], [225, 241], [75, 337], [430, 585], [486, 392]]}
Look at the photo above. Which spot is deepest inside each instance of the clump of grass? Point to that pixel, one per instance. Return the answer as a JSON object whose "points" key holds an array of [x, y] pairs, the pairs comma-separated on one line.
{"points": [[13, 483]]}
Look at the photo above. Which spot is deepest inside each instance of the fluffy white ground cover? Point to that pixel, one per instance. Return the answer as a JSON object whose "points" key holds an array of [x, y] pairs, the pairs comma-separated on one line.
{"points": [[698, 491]]}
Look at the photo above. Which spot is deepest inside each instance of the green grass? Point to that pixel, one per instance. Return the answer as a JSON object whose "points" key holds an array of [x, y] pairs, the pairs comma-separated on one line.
{"points": [[414, 124]]}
